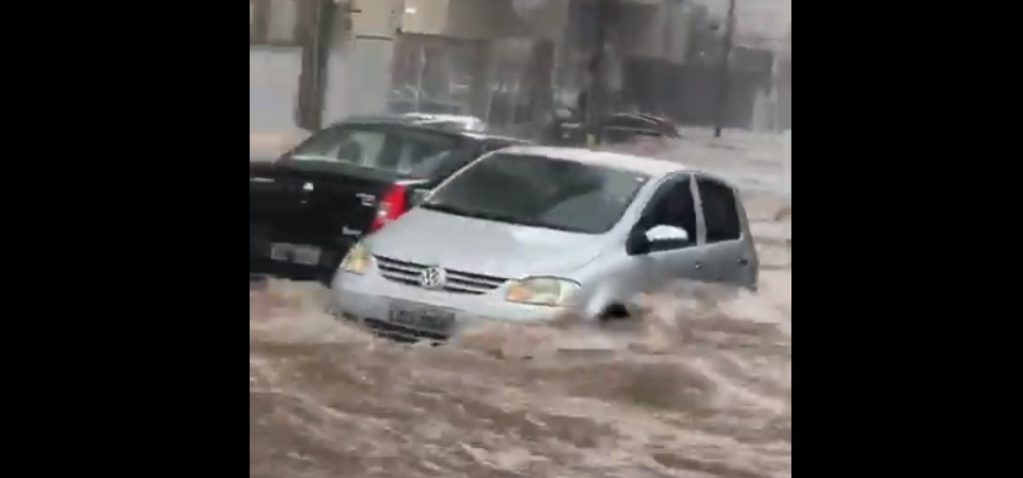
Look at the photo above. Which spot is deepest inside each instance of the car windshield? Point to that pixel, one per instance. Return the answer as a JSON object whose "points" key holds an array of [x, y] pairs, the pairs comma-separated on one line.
{"points": [[539, 191], [404, 151]]}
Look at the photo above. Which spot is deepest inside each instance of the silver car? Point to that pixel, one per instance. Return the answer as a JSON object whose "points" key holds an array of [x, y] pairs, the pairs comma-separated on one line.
{"points": [[530, 233]]}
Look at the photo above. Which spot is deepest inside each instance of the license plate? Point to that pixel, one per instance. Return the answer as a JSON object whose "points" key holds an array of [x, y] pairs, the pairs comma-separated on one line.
{"points": [[295, 253], [421, 318]]}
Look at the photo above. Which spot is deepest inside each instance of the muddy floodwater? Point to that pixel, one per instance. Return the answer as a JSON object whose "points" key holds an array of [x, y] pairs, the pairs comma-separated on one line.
{"points": [[699, 387]]}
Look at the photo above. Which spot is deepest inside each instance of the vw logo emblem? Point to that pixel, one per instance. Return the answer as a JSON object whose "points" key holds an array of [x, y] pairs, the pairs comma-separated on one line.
{"points": [[433, 278]]}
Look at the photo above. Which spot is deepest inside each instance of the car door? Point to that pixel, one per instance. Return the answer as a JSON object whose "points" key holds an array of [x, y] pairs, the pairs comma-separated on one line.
{"points": [[674, 204], [751, 272], [728, 250]]}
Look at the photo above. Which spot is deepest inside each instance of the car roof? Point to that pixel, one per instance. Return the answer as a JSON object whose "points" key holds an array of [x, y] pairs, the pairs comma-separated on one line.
{"points": [[627, 162], [411, 121], [385, 119], [415, 119], [440, 117], [484, 136]]}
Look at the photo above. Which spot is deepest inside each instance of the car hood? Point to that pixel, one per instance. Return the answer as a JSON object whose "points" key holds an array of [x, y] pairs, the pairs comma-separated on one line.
{"points": [[481, 246]]}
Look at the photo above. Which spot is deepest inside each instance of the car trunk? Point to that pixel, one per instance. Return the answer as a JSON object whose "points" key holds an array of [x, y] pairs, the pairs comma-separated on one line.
{"points": [[304, 215]]}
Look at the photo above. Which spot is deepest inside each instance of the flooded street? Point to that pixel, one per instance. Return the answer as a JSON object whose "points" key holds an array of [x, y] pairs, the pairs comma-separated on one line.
{"points": [[700, 387]]}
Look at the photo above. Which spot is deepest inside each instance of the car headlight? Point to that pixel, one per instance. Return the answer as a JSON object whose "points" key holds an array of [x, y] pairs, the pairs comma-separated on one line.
{"points": [[549, 291], [357, 259]]}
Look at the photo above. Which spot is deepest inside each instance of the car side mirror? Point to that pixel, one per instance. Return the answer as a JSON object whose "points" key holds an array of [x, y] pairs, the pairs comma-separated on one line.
{"points": [[640, 243], [662, 233], [418, 196]]}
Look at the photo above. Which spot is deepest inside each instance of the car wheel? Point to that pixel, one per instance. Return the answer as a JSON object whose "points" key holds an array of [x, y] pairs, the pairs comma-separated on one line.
{"points": [[614, 313]]}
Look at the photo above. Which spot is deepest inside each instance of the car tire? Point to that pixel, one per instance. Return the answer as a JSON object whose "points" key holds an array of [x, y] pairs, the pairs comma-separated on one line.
{"points": [[614, 313]]}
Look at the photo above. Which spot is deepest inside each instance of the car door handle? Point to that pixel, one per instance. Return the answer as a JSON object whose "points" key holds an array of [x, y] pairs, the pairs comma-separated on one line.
{"points": [[698, 265], [744, 261]]}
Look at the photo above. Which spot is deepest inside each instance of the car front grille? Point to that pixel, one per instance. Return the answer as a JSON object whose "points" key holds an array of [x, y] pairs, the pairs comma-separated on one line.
{"points": [[458, 282]]}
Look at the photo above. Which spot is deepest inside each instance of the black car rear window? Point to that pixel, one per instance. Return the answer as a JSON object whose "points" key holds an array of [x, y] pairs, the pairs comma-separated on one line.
{"points": [[406, 151]]}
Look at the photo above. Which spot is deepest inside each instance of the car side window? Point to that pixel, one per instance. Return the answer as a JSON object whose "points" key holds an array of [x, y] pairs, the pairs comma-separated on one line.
{"points": [[720, 210], [673, 205]]}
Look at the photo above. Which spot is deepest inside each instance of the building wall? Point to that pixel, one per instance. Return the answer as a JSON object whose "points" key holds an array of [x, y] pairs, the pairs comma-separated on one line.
{"points": [[273, 84], [274, 65], [484, 19], [362, 51], [377, 17], [656, 31], [358, 72]]}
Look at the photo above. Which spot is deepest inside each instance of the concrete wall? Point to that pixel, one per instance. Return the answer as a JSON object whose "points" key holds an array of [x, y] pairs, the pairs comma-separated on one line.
{"points": [[359, 70], [656, 31], [378, 17], [359, 78], [358, 75], [425, 17], [273, 84], [484, 19]]}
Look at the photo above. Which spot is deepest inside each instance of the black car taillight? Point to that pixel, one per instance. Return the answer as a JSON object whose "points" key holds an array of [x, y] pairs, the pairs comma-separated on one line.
{"points": [[392, 204]]}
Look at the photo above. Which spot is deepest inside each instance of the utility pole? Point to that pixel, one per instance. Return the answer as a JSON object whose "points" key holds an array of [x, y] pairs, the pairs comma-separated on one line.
{"points": [[319, 18], [723, 73], [596, 68]]}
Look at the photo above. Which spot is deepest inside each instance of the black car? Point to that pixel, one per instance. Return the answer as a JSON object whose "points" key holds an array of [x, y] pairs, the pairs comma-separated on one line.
{"points": [[308, 207], [616, 128]]}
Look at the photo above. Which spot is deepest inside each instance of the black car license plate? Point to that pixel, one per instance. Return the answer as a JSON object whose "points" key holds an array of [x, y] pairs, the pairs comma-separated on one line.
{"points": [[421, 317], [295, 253]]}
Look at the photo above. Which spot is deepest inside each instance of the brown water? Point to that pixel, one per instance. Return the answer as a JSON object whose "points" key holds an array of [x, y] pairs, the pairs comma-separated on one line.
{"points": [[701, 386]]}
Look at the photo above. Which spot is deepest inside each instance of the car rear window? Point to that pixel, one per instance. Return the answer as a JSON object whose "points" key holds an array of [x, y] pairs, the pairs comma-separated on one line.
{"points": [[405, 151]]}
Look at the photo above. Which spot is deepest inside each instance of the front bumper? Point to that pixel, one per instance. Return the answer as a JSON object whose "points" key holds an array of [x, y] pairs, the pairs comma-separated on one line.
{"points": [[367, 299]]}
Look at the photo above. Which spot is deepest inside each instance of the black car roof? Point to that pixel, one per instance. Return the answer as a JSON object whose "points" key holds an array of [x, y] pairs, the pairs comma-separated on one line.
{"points": [[483, 136], [384, 118]]}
